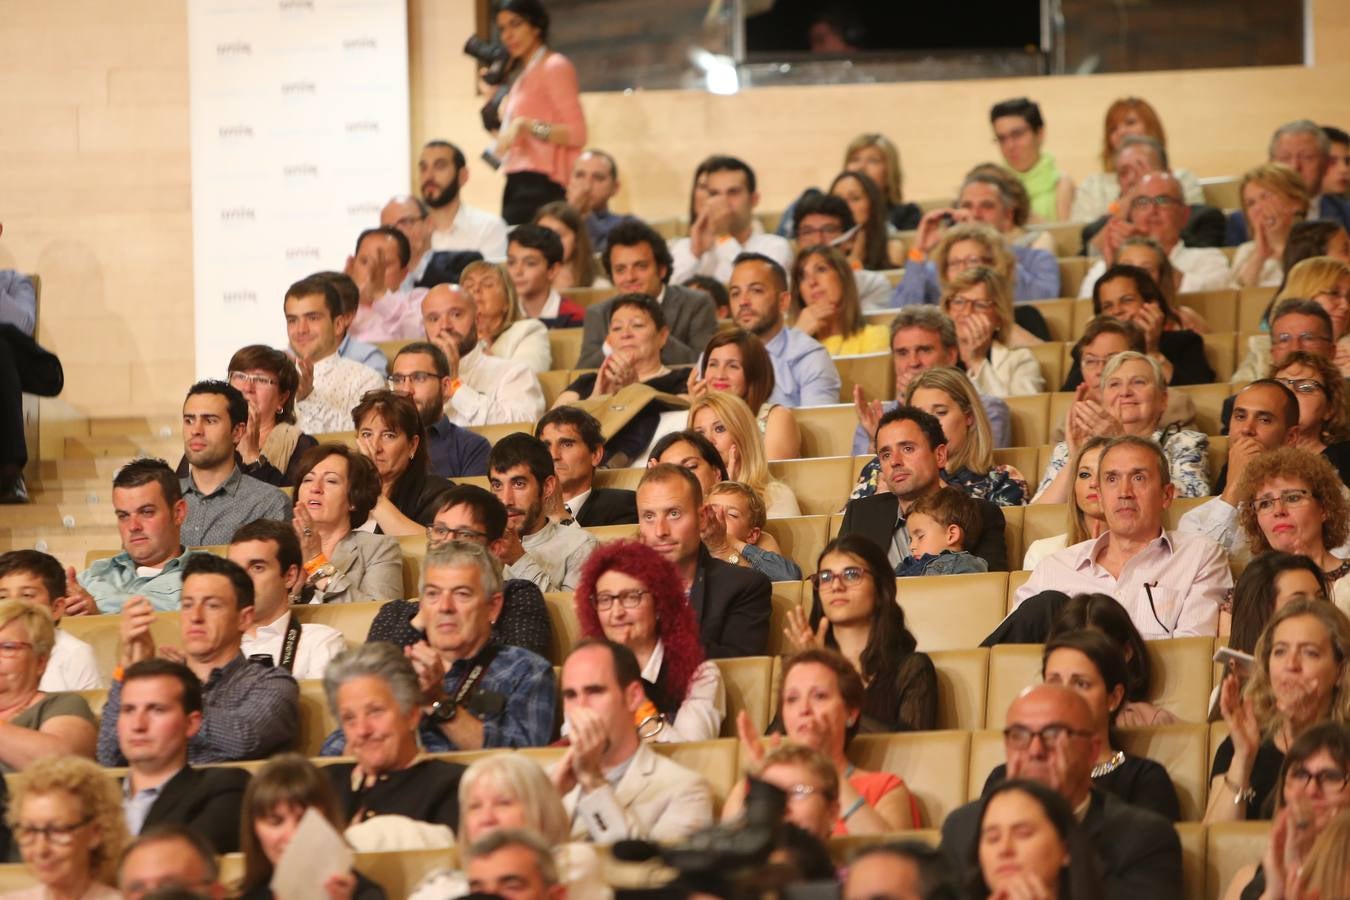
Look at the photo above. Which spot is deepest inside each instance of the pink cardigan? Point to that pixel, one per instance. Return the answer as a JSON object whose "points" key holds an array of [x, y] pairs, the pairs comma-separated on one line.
{"points": [[548, 92]]}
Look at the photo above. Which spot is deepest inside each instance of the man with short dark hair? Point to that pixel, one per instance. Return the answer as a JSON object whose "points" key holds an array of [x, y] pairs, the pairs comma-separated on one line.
{"points": [[903, 870], [349, 301], [380, 263], [169, 858], [574, 439], [912, 451], [270, 553], [251, 710], [35, 577], [638, 262], [330, 385], [594, 182], [513, 863], [441, 173], [726, 226], [824, 220], [804, 374], [521, 474], [732, 603], [421, 372], [219, 496], [161, 711], [1336, 179], [534, 257], [614, 786], [1050, 739]]}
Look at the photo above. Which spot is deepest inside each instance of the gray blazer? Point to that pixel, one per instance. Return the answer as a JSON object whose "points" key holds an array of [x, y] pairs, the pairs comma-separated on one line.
{"points": [[369, 567], [690, 315]]}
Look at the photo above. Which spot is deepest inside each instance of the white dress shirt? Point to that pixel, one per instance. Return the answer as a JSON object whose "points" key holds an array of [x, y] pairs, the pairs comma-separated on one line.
{"points": [[718, 259], [1201, 268], [317, 646], [700, 716], [494, 391], [72, 666], [339, 384], [554, 556], [473, 229]]}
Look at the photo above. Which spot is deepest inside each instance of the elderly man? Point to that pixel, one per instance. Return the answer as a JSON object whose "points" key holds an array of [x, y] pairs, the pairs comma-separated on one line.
{"points": [[379, 265], [613, 785], [1157, 208], [1171, 583], [169, 858], [594, 182], [1049, 738], [412, 217], [514, 863], [1295, 324], [923, 337], [1304, 147]]}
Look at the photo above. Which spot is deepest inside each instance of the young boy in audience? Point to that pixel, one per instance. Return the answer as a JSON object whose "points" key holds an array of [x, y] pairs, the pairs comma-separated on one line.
{"points": [[37, 578], [734, 532], [941, 527]]}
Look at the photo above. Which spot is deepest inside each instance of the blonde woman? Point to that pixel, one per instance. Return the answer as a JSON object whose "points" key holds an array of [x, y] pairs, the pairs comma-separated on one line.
{"points": [[1274, 200], [978, 300], [825, 304], [1087, 520], [726, 421], [1322, 279], [504, 332], [877, 157]]}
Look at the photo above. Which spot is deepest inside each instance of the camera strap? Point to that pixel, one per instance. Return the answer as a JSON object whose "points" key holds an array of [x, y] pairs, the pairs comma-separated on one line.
{"points": [[476, 669], [289, 643]]}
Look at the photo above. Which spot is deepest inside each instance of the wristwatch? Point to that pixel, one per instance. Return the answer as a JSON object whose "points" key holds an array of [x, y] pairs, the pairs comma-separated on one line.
{"points": [[442, 711], [327, 570], [734, 558]]}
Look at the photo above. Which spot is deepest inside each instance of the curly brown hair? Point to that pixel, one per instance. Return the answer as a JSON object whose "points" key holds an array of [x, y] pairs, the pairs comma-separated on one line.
{"points": [[99, 799], [1312, 469], [1336, 426], [363, 481]]}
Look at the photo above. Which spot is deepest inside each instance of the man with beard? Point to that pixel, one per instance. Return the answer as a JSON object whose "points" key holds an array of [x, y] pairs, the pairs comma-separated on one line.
{"points": [[804, 374], [422, 373], [455, 225], [520, 473], [220, 497], [482, 389]]}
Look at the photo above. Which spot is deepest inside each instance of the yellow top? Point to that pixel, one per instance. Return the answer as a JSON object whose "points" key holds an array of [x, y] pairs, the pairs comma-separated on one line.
{"points": [[868, 339]]}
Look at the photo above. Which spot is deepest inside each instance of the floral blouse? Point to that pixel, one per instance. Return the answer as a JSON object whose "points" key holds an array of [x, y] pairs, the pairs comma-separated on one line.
{"points": [[1186, 453], [1002, 485]]}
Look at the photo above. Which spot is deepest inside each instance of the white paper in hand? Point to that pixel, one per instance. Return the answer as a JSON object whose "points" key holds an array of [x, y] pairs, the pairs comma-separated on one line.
{"points": [[315, 852]]}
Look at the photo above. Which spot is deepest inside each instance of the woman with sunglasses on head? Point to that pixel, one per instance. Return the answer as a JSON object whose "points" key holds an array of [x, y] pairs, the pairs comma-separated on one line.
{"points": [[1323, 417]]}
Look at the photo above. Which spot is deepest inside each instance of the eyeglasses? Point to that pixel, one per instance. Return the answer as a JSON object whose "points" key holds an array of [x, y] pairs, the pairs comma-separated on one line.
{"points": [[629, 599], [957, 304], [11, 649], [825, 231], [239, 379], [801, 791], [1292, 498], [1330, 781], [1052, 735], [417, 378], [1163, 201], [1306, 337], [1094, 362], [969, 262], [1302, 385], [850, 575], [56, 835], [440, 533]]}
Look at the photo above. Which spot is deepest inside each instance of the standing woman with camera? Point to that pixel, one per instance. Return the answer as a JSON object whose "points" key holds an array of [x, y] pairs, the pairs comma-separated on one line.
{"points": [[542, 125]]}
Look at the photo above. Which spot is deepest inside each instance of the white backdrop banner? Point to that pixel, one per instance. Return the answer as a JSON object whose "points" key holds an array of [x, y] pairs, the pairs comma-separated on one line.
{"points": [[299, 135]]}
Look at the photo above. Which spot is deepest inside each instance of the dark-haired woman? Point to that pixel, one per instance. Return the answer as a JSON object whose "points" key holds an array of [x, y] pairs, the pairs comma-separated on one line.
{"points": [[272, 444], [1030, 846], [855, 612], [1269, 582], [390, 434]]}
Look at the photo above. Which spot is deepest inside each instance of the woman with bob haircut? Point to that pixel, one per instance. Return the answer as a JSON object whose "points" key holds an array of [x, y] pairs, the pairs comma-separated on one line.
{"points": [[825, 304], [1323, 417], [632, 595], [735, 361], [876, 156], [961, 247], [727, 422], [272, 443], [1274, 200], [34, 723], [390, 434], [1030, 845], [504, 331]]}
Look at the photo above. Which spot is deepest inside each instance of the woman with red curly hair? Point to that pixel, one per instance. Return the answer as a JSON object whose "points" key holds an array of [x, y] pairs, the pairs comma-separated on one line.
{"points": [[632, 595]]}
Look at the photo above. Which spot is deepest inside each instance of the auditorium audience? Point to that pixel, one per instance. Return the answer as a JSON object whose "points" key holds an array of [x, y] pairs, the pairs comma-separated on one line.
{"points": [[35, 723], [338, 489], [854, 611], [389, 433], [250, 711], [825, 304], [37, 578], [821, 220], [534, 258], [579, 268], [951, 241], [724, 226], [1031, 845], [1019, 131], [876, 245], [161, 712], [442, 172], [725, 420], [575, 442], [732, 603], [614, 786], [422, 373], [804, 374], [1267, 583], [330, 385], [736, 362], [68, 828], [734, 531], [1274, 198], [594, 182], [630, 594], [1086, 520], [1301, 679], [379, 265], [272, 444], [505, 331], [1297, 322], [1304, 147], [1323, 419]]}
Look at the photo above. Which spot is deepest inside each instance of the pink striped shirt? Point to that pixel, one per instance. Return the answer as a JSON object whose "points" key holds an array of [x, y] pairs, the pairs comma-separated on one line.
{"points": [[549, 92]]}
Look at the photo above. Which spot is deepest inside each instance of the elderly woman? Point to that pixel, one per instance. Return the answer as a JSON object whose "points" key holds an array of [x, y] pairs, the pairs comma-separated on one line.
{"points": [[877, 245], [1326, 282], [736, 362], [579, 267], [504, 331], [820, 701], [727, 422], [1087, 521], [1302, 679], [1267, 583], [630, 594], [637, 332], [374, 693], [825, 304], [34, 723], [272, 444], [511, 791], [390, 434], [1293, 501], [1323, 417], [1030, 846], [66, 817], [277, 797], [338, 488], [1274, 200], [1132, 401], [980, 304]]}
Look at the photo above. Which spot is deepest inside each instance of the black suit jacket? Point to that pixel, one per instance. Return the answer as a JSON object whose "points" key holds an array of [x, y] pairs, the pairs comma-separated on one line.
{"points": [[690, 316], [608, 506], [1138, 852], [207, 800], [875, 517], [732, 604], [1205, 228]]}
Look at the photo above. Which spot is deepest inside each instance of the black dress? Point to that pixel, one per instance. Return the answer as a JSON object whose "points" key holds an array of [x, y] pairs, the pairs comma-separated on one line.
{"points": [[1185, 350], [908, 702], [523, 622], [1265, 774], [634, 438], [418, 495], [1138, 781], [426, 791]]}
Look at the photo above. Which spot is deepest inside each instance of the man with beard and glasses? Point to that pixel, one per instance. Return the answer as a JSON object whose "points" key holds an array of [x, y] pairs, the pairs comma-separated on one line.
{"points": [[804, 374], [422, 373], [220, 497], [441, 172], [482, 389], [520, 473]]}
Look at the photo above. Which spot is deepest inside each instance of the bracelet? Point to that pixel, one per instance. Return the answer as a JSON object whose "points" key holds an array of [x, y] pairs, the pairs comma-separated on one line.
{"points": [[313, 565], [541, 130], [455, 385], [917, 255], [857, 805], [1240, 795]]}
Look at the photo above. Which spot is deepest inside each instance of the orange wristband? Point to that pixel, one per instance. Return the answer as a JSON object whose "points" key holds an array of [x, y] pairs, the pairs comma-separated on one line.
{"points": [[117, 673], [917, 255], [314, 564]]}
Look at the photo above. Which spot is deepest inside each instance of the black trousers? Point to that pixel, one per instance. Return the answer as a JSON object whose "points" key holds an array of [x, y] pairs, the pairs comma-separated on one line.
{"points": [[1030, 623], [24, 366], [527, 191]]}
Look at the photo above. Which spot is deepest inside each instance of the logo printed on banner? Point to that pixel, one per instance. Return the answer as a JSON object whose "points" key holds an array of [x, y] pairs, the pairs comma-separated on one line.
{"points": [[300, 170], [365, 126], [234, 48], [238, 214], [295, 6], [294, 253], [239, 295], [361, 43], [231, 132], [363, 209], [291, 88]]}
